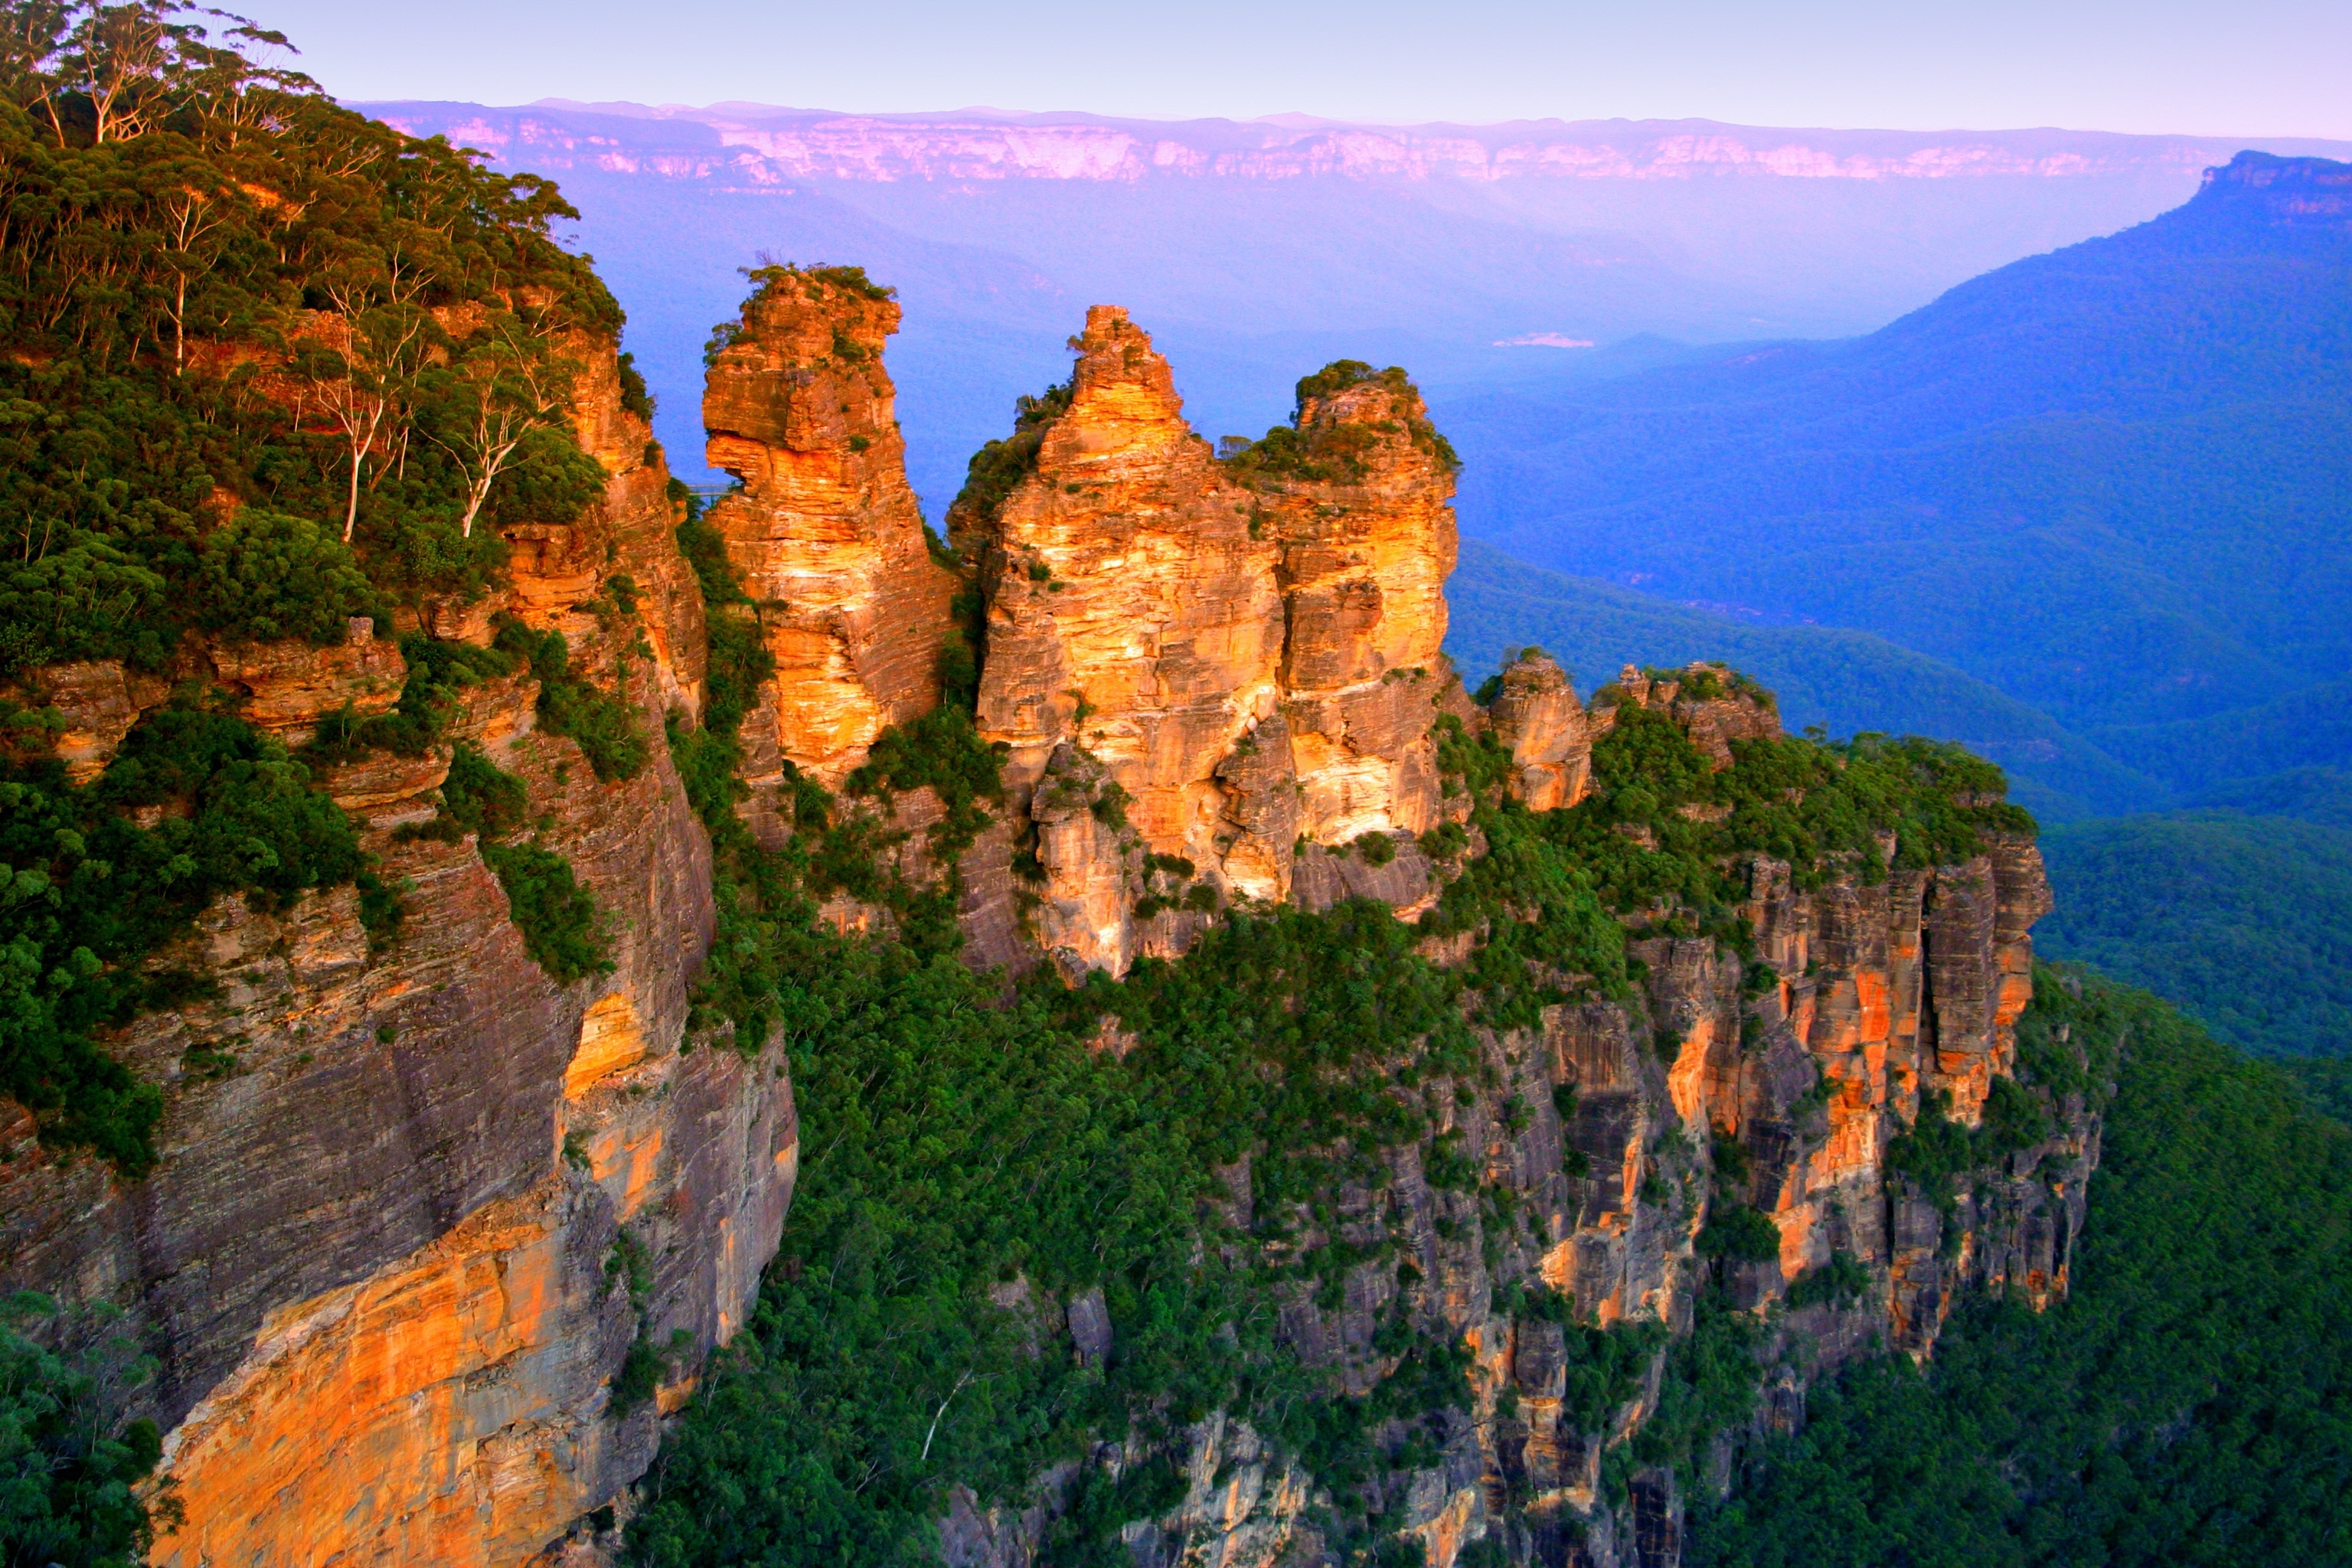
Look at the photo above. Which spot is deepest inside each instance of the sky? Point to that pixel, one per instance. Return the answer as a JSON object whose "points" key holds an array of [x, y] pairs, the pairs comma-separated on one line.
{"points": [[2274, 67]]}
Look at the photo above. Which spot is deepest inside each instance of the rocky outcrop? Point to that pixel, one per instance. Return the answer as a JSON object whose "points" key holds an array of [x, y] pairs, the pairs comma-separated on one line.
{"points": [[414, 1206], [1249, 649], [418, 1208], [1587, 1156], [1536, 718], [824, 533]]}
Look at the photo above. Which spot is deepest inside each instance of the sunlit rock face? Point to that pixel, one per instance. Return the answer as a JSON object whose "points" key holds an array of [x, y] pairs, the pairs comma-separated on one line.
{"points": [[825, 535], [375, 1259], [1249, 649]]}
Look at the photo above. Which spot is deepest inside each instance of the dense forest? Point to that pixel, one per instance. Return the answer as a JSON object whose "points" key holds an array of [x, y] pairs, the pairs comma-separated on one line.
{"points": [[2244, 920], [2190, 1402]]}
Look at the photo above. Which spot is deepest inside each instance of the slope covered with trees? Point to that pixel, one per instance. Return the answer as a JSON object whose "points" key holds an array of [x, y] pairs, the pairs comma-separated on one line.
{"points": [[2243, 921], [2107, 481], [2190, 1402]]}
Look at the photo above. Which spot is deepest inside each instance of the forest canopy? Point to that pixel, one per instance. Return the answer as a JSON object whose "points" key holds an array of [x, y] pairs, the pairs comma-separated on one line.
{"points": [[264, 363]]}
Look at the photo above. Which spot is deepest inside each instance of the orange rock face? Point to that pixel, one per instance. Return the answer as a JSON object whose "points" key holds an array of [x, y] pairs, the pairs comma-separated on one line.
{"points": [[373, 1257], [824, 535], [1249, 649], [1538, 720]]}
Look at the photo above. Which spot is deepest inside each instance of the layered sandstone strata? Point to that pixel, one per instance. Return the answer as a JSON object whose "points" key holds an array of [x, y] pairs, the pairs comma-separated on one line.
{"points": [[825, 535], [377, 1259], [1611, 1129], [1249, 649]]}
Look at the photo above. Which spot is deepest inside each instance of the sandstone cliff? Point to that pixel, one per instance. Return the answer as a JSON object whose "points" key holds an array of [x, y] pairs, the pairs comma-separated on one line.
{"points": [[416, 1207], [430, 1260], [823, 534], [1247, 651], [1617, 1134], [1212, 678]]}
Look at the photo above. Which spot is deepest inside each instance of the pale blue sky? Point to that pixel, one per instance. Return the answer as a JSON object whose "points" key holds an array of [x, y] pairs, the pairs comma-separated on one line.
{"points": [[2278, 67]]}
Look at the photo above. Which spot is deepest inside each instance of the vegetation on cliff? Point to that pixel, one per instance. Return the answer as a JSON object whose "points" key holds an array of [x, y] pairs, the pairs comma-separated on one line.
{"points": [[997, 468], [270, 363], [268, 366], [197, 804], [2189, 1402], [69, 1459], [1325, 453], [978, 1166]]}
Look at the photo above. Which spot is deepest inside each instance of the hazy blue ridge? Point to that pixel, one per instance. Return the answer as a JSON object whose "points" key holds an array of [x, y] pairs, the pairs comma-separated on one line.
{"points": [[2306, 730], [1846, 681], [2111, 481], [2244, 921]]}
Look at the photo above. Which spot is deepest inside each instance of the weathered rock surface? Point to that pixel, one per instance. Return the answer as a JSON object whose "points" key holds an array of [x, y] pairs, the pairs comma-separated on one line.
{"points": [[825, 535], [1536, 718], [376, 1260], [398, 1248], [1250, 653], [1886, 990]]}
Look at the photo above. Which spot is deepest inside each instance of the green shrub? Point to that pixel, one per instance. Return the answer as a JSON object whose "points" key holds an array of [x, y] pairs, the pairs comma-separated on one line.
{"points": [[998, 468], [70, 1457], [266, 575], [1739, 1233], [480, 797], [1842, 1282], [562, 929], [603, 725]]}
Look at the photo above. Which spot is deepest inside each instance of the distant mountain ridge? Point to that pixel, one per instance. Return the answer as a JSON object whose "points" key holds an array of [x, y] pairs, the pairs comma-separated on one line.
{"points": [[761, 143], [1668, 233], [2140, 445]]}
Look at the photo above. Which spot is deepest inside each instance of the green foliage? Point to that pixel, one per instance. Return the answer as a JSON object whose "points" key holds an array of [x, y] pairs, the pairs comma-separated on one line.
{"points": [[1334, 453], [2245, 922], [479, 796], [69, 1456], [264, 575], [562, 929], [998, 468], [635, 397], [1841, 1282], [602, 722], [2189, 1401], [87, 894], [812, 280], [1739, 1233], [239, 384], [439, 674]]}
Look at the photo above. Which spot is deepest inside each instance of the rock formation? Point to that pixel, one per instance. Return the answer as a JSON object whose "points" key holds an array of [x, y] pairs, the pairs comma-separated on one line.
{"points": [[396, 1260], [1248, 649], [824, 533], [376, 1259]]}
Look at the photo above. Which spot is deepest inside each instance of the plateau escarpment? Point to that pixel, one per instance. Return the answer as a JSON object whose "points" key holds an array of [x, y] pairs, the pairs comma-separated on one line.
{"points": [[354, 914], [1560, 1085], [1278, 1107], [376, 1255], [1411, 1117]]}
